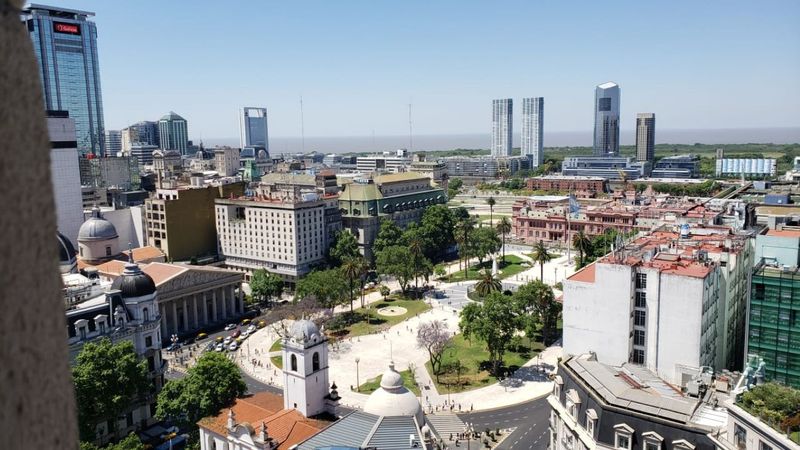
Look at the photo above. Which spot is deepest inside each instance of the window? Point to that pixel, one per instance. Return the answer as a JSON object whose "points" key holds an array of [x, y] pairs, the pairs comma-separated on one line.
{"points": [[108, 251], [641, 299], [763, 446], [739, 435], [639, 318], [294, 363], [638, 356], [591, 418], [148, 341], [315, 362], [638, 337], [641, 280], [652, 445], [623, 441], [145, 314]]}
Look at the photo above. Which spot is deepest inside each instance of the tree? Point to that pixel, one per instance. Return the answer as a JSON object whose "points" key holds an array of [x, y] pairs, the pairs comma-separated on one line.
{"points": [[108, 378], [488, 283], [485, 241], [460, 213], [440, 271], [464, 228], [494, 321], [397, 261], [385, 291], [491, 202], [210, 385], [435, 338], [327, 287], [536, 299], [389, 234], [416, 245], [265, 285], [353, 269], [130, 442], [344, 246], [504, 227], [583, 245], [438, 227], [541, 256], [454, 187]]}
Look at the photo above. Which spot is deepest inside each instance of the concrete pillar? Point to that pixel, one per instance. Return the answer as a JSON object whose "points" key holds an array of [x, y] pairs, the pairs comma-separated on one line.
{"points": [[224, 303], [174, 317], [214, 305], [164, 333], [194, 310], [204, 302], [232, 300], [186, 314]]}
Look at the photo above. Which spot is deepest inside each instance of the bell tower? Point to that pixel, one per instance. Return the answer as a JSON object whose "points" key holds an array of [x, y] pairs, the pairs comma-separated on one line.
{"points": [[305, 369]]}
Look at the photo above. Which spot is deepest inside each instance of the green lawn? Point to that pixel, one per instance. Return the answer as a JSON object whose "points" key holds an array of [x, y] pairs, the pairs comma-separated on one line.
{"points": [[367, 320], [374, 383], [513, 265], [277, 361], [474, 360]]}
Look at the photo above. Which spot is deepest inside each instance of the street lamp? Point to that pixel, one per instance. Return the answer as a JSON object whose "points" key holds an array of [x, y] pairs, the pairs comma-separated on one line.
{"points": [[358, 385]]}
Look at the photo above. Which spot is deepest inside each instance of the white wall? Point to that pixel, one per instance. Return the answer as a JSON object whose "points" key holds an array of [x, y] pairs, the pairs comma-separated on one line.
{"points": [[66, 177], [128, 224], [679, 325]]}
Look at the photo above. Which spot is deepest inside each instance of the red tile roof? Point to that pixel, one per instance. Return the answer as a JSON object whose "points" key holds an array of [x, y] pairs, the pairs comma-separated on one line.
{"points": [[585, 275], [784, 233]]}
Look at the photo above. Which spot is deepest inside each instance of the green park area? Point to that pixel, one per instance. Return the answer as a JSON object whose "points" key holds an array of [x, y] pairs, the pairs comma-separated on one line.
{"points": [[368, 320], [512, 266], [373, 384], [277, 361]]}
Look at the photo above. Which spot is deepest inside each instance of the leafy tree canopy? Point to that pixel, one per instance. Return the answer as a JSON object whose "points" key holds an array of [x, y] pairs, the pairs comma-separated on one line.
{"points": [[328, 288], [397, 261], [389, 234], [265, 285], [495, 321], [345, 246]]}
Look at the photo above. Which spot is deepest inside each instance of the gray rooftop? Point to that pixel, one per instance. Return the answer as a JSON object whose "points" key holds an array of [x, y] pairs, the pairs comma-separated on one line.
{"points": [[359, 429]]}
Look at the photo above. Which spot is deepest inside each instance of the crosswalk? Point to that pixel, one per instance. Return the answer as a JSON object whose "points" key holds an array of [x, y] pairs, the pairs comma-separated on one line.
{"points": [[445, 424]]}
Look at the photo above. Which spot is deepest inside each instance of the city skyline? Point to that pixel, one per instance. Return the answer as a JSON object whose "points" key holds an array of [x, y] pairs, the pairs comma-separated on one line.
{"points": [[444, 75]]}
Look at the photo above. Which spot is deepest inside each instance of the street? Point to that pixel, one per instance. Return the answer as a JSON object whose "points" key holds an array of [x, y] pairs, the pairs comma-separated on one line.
{"points": [[530, 418]]}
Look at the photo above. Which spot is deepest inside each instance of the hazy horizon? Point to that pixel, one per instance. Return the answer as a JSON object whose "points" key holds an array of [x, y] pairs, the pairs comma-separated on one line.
{"points": [[440, 142]]}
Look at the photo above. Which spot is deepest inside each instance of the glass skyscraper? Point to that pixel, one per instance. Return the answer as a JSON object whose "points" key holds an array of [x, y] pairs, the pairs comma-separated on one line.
{"points": [[173, 133], [253, 128], [532, 129], [645, 137], [502, 131], [65, 43], [606, 120]]}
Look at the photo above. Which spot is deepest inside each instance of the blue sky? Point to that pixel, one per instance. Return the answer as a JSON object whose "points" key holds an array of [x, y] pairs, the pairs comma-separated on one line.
{"points": [[696, 64]]}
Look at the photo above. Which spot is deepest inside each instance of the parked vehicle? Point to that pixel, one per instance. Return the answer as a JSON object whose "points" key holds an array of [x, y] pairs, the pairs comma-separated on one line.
{"points": [[237, 333], [227, 340], [251, 329], [262, 324], [230, 326], [220, 347], [201, 336], [233, 347], [245, 322], [173, 347]]}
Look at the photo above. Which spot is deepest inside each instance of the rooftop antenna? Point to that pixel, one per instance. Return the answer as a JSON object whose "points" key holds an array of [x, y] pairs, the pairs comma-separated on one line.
{"points": [[410, 134], [302, 128]]}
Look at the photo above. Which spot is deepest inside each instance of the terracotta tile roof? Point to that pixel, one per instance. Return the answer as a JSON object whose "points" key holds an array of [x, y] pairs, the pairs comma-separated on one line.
{"points": [[287, 427], [784, 233], [159, 272], [585, 275], [148, 253]]}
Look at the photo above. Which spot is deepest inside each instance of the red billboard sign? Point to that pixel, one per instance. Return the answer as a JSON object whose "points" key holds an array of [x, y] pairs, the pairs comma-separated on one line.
{"points": [[66, 28]]}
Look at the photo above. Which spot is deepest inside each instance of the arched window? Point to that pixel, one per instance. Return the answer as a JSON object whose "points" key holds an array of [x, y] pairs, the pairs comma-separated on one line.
{"points": [[146, 314], [315, 362], [294, 363]]}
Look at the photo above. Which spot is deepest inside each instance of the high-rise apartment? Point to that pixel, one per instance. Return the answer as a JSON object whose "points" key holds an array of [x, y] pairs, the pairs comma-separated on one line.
{"points": [[113, 144], [533, 129], [65, 173], [645, 136], [253, 127], [173, 133], [65, 43], [606, 120], [502, 130]]}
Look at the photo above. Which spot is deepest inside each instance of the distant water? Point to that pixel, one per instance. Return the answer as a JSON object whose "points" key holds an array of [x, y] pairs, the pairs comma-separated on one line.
{"points": [[345, 144]]}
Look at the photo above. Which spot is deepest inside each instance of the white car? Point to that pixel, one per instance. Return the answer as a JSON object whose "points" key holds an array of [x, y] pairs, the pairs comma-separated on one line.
{"points": [[220, 347], [230, 326], [228, 340], [251, 329], [233, 347]]}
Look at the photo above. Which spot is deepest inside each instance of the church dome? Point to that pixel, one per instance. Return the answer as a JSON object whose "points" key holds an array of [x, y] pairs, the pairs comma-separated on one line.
{"points": [[96, 228], [393, 399], [305, 331], [66, 254], [133, 282]]}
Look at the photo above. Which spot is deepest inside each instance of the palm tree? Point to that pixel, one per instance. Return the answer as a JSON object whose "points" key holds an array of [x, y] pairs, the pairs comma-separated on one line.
{"points": [[352, 269], [491, 202], [541, 256], [504, 227], [582, 244], [488, 284], [463, 229], [416, 247]]}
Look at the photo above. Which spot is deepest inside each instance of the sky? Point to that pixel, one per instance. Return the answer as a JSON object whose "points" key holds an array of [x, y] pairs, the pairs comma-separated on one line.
{"points": [[358, 64]]}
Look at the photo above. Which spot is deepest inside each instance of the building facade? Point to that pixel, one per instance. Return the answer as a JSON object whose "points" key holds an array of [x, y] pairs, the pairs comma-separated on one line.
{"points": [[678, 166], [606, 120], [65, 44], [146, 132], [143, 153], [65, 174], [482, 168], [645, 137], [502, 127], [111, 172], [226, 160], [113, 143], [435, 170], [382, 163], [608, 166], [587, 187], [253, 130], [173, 133], [532, 144], [746, 167]]}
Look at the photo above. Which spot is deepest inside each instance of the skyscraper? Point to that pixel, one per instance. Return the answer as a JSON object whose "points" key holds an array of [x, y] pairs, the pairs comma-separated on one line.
{"points": [[65, 43], [173, 133], [253, 128], [502, 114], [606, 120], [146, 132], [65, 174], [113, 144], [532, 129], [645, 136]]}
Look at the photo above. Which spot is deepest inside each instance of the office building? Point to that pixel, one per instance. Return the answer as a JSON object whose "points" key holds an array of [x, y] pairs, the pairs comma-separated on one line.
{"points": [[253, 127], [481, 168], [608, 167], [645, 137], [113, 143], [180, 220], [502, 127], [173, 133], [678, 166], [435, 170], [226, 161], [382, 163], [65, 174], [143, 153], [112, 172], [65, 44], [748, 167], [145, 132], [626, 306], [606, 120], [533, 130]]}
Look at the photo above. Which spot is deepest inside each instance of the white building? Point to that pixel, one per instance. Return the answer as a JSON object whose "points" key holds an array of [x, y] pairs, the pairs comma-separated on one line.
{"points": [[533, 130], [253, 129], [502, 126], [283, 232], [746, 166], [382, 163], [606, 120], [305, 373], [143, 153], [633, 304], [226, 161], [65, 173]]}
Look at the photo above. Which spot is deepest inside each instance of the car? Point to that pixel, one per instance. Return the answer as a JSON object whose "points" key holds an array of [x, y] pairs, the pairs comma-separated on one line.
{"points": [[230, 326], [251, 329], [233, 347], [219, 338], [210, 347], [201, 336], [261, 324], [169, 433], [227, 340], [245, 322], [173, 347], [220, 347], [237, 333]]}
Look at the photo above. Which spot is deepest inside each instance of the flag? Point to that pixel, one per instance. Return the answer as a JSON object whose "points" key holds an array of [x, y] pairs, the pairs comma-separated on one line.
{"points": [[574, 207]]}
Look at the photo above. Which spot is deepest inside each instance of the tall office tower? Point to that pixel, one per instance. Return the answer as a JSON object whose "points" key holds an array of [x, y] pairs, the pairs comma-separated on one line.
{"points": [[65, 174], [502, 115], [113, 142], [645, 136], [606, 120], [253, 127], [65, 43], [533, 129], [173, 133]]}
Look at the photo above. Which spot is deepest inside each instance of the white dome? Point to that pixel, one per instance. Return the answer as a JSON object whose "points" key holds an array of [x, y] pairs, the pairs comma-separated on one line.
{"points": [[393, 399], [305, 331], [96, 228]]}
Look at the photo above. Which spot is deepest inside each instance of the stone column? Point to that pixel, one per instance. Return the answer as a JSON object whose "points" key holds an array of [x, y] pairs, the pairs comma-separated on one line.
{"points": [[205, 307], [224, 303], [164, 333], [214, 305], [194, 310], [186, 314], [174, 317], [232, 300], [240, 299]]}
